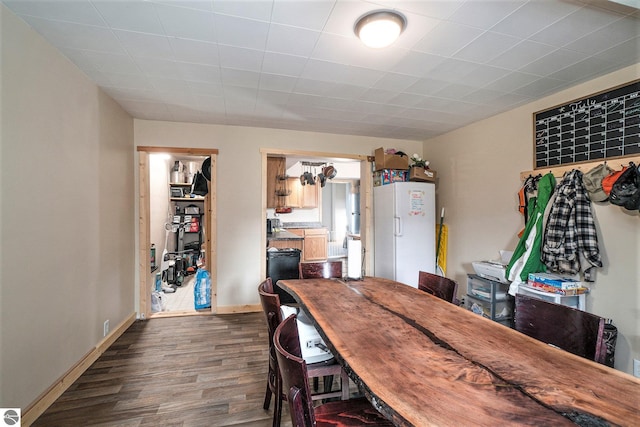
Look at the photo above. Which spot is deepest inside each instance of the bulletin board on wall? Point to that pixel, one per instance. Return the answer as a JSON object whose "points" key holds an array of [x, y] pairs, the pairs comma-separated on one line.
{"points": [[602, 126]]}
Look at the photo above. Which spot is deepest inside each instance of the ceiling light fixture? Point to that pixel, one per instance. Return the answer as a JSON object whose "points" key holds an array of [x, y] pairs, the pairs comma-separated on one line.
{"points": [[379, 28]]}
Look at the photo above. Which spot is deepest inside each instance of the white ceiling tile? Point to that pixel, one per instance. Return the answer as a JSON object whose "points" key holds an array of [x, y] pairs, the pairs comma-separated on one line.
{"points": [[395, 82], [484, 14], [625, 53], [427, 86], [533, 17], [241, 32], [433, 9], [129, 81], [68, 11], [540, 87], [144, 45], [312, 87], [486, 47], [405, 99], [240, 78], [206, 88], [582, 70], [187, 23], [275, 82], [194, 51], [606, 37], [273, 97], [482, 75], [572, 27], [451, 70], [204, 5], [417, 27], [483, 96], [325, 71], [291, 40], [200, 73], [553, 62], [377, 95], [336, 48], [512, 81], [240, 58], [112, 62], [447, 38], [521, 54], [304, 14], [344, 15], [278, 63], [453, 91], [158, 67], [251, 9], [75, 36], [130, 16], [168, 84], [417, 64]]}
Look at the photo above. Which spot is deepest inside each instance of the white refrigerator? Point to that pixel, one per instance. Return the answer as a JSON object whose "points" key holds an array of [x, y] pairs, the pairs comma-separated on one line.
{"points": [[404, 230]]}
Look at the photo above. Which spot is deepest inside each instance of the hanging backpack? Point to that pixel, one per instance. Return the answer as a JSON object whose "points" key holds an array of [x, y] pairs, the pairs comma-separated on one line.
{"points": [[626, 190], [199, 185]]}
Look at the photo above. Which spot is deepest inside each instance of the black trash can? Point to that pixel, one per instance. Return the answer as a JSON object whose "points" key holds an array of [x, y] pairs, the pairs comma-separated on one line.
{"points": [[283, 264]]}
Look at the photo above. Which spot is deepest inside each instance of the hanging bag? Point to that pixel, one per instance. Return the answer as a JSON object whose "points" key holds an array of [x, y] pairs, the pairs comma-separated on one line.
{"points": [[199, 185]]}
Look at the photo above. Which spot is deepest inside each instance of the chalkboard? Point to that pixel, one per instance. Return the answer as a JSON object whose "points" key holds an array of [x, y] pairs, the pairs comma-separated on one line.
{"points": [[602, 126]]}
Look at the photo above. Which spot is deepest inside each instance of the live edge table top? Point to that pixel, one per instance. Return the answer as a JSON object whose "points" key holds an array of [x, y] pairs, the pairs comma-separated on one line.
{"points": [[425, 362]]}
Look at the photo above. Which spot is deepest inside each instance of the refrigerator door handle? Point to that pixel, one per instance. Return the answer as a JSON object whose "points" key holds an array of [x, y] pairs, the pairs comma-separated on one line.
{"points": [[398, 225]]}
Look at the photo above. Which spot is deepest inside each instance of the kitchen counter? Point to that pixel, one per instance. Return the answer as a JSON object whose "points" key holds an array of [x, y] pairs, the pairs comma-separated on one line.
{"points": [[284, 235], [302, 225]]}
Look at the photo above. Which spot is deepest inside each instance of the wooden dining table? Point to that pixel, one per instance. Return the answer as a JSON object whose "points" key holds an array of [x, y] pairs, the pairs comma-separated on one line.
{"points": [[422, 361]]}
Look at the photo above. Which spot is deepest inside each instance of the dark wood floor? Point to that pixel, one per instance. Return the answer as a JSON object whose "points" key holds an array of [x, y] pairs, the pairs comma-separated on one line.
{"points": [[181, 371]]}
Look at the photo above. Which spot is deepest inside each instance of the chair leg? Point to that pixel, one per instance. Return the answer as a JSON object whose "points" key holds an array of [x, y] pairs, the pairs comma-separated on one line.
{"points": [[277, 406], [328, 383], [344, 380], [267, 398]]}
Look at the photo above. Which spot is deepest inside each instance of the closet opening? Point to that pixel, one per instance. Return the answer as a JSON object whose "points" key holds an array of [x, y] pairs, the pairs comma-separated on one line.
{"points": [[177, 235]]}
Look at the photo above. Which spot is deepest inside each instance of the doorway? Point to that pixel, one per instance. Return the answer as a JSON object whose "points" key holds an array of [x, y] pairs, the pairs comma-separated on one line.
{"points": [[177, 237], [336, 224]]}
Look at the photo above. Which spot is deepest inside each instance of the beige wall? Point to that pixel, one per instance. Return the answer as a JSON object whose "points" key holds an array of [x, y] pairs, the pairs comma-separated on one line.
{"points": [[478, 169], [239, 187], [67, 214]]}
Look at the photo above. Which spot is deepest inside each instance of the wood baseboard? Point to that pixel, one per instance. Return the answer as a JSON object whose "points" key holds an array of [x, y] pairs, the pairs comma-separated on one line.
{"points": [[233, 309], [46, 399]]}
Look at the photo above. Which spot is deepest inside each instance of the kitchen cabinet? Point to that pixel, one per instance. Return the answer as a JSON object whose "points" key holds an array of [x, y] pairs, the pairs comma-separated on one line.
{"points": [[302, 196], [315, 243]]}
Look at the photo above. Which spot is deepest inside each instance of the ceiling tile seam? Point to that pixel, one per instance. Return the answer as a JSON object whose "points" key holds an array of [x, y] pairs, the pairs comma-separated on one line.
{"points": [[264, 52]]}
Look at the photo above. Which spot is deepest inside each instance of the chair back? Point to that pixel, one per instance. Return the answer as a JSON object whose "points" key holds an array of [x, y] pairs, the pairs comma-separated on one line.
{"points": [[439, 286], [320, 270], [568, 328], [293, 371]]}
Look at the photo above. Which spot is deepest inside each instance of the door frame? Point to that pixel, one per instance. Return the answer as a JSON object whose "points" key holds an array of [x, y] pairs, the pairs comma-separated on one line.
{"points": [[144, 220], [366, 198]]}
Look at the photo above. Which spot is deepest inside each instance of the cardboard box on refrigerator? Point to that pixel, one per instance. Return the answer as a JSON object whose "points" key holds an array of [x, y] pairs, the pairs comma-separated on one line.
{"points": [[422, 175], [390, 161]]}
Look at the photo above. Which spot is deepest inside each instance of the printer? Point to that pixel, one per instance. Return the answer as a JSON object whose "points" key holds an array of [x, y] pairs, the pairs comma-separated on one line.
{"points": [[494, 270]]}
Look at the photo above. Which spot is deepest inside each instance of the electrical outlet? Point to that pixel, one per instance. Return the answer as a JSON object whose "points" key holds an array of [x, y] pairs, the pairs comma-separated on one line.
{"points": [[105, 328], [636, 368]]}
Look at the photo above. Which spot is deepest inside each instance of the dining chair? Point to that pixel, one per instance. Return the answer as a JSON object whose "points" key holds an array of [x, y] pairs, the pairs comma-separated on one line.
{"points": [[438, 286], [271, 306], [295, 383], [320, 270], [568, 328]]}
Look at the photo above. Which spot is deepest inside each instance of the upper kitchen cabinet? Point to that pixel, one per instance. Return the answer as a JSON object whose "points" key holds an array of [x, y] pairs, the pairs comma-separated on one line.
{"points": [[302, 196]]}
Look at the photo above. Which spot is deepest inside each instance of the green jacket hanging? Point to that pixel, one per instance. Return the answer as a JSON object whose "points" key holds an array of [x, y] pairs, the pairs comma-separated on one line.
{"points": [[526, 256]]}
